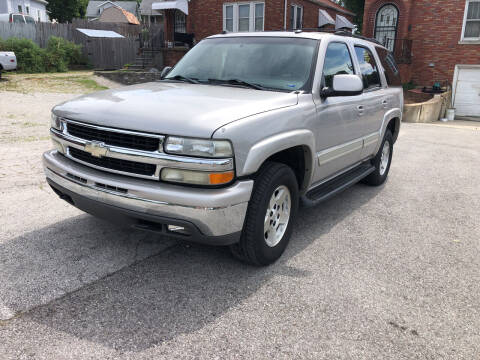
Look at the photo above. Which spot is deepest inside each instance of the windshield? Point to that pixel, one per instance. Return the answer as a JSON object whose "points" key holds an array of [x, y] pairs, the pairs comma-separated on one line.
{"points": [[273, 63]]}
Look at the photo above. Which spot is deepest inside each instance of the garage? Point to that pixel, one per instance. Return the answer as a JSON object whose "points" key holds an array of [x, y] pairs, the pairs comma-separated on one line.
{"points": [[467, 90]]}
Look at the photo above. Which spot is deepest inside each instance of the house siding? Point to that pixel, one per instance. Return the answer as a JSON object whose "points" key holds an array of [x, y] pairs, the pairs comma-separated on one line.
{"points": [[11, 6], [435, 27]]}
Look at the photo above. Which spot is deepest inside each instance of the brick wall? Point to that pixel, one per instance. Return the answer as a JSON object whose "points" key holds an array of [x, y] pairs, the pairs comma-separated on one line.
{"points": [[206, 16], [435, 26]]}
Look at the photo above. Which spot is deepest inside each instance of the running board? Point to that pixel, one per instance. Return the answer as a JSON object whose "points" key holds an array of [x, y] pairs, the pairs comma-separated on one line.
{"points": [[332, 187]]}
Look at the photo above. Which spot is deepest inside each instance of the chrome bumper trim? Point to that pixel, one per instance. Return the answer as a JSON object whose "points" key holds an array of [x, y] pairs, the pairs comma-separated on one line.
{"points": [[215, 212]]}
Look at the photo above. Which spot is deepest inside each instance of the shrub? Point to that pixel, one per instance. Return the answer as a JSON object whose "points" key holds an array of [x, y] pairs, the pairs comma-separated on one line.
{"points": [[31, 58]]}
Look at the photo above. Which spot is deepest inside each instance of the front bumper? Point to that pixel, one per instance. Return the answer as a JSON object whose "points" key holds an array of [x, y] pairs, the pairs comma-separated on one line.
{"points": [[212, 216]]}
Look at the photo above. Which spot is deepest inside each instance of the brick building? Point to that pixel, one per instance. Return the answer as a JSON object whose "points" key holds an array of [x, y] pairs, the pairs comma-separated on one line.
{"points": [[434, 41], [202, 18]]}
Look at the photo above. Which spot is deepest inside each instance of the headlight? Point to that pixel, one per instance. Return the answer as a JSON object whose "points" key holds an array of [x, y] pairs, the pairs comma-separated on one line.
{"points": [[198, 147], [56, 122], [196, 177]]}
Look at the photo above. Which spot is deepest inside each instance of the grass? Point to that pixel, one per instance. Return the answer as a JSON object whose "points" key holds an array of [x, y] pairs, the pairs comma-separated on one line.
{"points": [[74, 82], [90, 84]]}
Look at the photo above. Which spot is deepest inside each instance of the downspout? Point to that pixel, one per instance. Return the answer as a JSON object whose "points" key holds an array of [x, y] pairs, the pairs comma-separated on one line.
{"points": [[285, 16]]}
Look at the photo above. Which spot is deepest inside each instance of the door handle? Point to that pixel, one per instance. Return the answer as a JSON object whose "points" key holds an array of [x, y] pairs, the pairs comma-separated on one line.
{"points": [[360, 109], [385, 103]]}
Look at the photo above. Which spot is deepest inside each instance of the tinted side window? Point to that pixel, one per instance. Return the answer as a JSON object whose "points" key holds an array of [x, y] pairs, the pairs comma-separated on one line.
{"points": [[368, 67], [337, 61], [29, 20], [391, 69]]}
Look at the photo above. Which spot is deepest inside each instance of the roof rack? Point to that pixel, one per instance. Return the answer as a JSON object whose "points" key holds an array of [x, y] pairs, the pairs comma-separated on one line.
{"points": [[328, 31], [338, 32]]}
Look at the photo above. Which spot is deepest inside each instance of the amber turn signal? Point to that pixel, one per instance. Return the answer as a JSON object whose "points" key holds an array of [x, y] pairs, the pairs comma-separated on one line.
{"points": [[221, 178]]}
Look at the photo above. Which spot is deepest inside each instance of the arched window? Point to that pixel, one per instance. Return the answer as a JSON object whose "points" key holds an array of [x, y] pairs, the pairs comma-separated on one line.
{"points": [[386, 25], [180, 25]]}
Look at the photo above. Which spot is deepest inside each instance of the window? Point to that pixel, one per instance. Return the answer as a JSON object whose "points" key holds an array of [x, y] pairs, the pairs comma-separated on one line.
{"points": [[18, 19], [390, 66], [386, 26], [29, 20], [337, 61], [368, 67], [248, 16], [20, 8], [244, 17], [296, 17], [180, 25], [259, 16], [471, 24], [28, 9], [228, 18]]}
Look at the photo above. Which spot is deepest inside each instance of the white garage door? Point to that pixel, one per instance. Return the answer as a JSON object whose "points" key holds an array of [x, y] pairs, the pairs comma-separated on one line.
{"points": [[467, 94]]}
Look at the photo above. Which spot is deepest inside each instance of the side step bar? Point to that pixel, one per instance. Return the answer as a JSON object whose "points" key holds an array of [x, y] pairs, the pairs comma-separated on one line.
{"points": [[332, 187]]}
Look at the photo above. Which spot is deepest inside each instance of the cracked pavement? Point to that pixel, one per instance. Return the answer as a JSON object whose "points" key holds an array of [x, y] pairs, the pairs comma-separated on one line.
{"points": [[374, 273]]}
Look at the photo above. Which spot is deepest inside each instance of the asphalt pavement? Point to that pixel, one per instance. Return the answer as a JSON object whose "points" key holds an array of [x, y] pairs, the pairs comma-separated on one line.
{"points": [[374, 273]]}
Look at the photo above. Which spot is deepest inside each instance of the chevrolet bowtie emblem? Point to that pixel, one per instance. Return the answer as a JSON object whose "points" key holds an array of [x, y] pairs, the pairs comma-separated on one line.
{"points": [[96, 148]]}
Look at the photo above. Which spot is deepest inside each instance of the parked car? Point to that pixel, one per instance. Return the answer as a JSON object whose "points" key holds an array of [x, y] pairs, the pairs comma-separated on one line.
{"points": [[8, 61], [223, 149], [17, 18]]}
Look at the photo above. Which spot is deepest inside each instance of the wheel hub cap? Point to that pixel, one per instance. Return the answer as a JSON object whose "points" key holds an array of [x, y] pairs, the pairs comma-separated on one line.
{"points": [[277, 216], [385, 158]]}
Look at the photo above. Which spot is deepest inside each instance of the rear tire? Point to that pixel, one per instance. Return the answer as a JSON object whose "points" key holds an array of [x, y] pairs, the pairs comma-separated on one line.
{"points": [[382, 162], [270, 216]]}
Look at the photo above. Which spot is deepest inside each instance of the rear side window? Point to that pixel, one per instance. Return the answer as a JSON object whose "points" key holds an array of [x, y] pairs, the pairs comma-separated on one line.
{"points": [[18, 19], [337, 62], [368, 67], [392, 73]]}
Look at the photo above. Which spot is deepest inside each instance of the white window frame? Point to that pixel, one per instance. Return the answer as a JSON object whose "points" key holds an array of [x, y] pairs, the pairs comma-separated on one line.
{"points": [[251, 24], [295, 9], [463, 38]]}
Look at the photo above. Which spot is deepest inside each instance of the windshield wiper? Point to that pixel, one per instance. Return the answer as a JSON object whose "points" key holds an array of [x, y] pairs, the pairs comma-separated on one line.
{"points": [[183, 78], [238, 82]]}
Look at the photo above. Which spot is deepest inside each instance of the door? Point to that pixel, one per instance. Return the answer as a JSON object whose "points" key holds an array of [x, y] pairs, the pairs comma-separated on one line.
{"points": [[337, 136], [375, 99], [467, 91]]}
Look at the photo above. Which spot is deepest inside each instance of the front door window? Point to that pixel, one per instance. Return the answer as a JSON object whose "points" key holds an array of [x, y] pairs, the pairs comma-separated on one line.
{"points": [[386, 26]]}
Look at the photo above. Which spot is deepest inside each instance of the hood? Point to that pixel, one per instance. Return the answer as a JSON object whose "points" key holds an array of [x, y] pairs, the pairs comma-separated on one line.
{"points": [[172, 108]]}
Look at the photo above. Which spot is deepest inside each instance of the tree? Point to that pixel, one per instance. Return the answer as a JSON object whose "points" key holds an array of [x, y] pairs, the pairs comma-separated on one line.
{"points": [[356, 6], [66, 10]]}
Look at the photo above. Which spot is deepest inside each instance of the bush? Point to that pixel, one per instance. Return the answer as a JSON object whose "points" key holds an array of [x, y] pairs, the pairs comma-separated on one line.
{"points": [[57, 57]]}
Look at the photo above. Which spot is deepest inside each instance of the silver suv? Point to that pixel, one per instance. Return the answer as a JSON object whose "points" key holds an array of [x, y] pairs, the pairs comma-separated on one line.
{"points": [[223, 149]]}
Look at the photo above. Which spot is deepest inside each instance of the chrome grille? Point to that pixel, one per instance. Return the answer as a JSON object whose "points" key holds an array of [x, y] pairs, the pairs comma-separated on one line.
{"points": [[125, 140], [125, 166]]}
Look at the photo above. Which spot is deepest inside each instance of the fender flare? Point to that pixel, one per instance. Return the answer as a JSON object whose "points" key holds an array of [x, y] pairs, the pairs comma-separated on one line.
{"points": [[269, 146], [395, 113]]}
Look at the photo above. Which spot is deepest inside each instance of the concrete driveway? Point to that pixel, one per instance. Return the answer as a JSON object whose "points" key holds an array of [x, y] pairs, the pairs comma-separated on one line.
{"points": [[375, 273]]}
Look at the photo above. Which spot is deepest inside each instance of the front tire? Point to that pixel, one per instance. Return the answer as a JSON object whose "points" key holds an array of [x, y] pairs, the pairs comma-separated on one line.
{"points": [[382, 162], [270, 216]]}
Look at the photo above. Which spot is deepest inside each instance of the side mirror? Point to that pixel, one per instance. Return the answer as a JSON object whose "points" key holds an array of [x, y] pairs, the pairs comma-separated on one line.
{"points": [[165, 71], [344, 85]]}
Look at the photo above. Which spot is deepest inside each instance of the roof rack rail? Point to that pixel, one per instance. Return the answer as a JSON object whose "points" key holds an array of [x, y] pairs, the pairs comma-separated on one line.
{"points": [[328, 31]]}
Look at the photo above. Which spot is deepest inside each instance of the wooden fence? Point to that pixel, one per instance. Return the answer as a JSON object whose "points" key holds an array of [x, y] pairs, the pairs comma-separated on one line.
{"points": [[103, 53]]}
